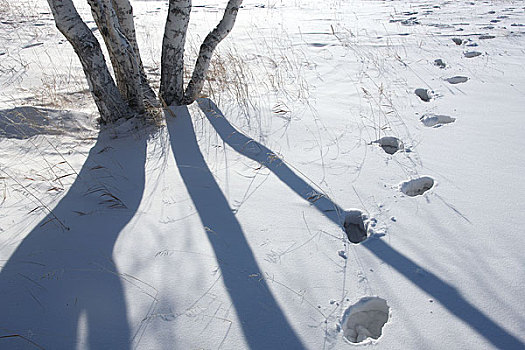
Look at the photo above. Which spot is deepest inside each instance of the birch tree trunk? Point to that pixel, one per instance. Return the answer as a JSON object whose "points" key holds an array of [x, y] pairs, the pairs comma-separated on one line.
{"points": [[126, 95], [124, 12], [107, 97], [172, 70], [206, 51], [122, 55]]}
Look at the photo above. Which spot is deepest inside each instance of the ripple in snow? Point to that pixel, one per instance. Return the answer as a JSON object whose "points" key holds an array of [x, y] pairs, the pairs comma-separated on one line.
{"points": [[390, 144], [416, 187], [356, 225], [365, 319], [436, 120]]}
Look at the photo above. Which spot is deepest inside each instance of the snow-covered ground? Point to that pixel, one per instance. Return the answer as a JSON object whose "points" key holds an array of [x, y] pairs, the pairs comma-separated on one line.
{"points": [[225, 228]]}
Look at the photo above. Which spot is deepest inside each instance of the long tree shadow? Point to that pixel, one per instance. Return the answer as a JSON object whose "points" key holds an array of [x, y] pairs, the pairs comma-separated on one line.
{"points": [[263, 322], [446, 294], [61, 279]]}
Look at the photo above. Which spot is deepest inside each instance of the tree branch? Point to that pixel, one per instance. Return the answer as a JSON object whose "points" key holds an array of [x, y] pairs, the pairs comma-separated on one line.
{"points": [[206, 51]]}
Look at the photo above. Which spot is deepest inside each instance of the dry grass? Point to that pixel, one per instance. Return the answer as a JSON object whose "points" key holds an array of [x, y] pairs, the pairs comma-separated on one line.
{"points": [[272, 73], [248, 81], [235, 78]]}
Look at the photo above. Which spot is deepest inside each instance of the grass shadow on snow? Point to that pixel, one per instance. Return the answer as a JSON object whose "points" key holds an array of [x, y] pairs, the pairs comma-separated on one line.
{"points": [[58, 278], [263, 323], [26, 121], [427, 281]]}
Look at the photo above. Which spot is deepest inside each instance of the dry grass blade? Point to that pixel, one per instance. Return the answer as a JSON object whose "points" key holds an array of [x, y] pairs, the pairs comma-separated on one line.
{"points": [[21, 337], [42, 204]]}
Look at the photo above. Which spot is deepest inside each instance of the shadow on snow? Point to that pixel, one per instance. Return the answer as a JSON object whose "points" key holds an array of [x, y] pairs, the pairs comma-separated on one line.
{"points": [[58, 278], [25, 122], [263, 323], [446, 294]]}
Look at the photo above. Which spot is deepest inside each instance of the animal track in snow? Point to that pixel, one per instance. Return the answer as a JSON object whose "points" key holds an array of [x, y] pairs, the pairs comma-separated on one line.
{"points": [[356, 226], [416, 187], [423, 94], [390, 144], [458, 79], [436, 120], [439, 62], [471, 54], [365, 319], [317, 44]]}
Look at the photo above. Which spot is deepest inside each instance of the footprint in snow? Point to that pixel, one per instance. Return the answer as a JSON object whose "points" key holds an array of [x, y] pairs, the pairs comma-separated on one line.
{"points": [[365, 320], [390, 144], [471, 54], [458, 79], [416, 187], [317, 44], [439, 62], [356, 226], [424, 94], [436, 120]]}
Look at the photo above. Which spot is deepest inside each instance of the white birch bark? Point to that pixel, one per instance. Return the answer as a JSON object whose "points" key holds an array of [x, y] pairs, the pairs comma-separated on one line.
{"points": [[206, 51], [124, 12], [123, 58], [107, 97], [172, 70]]}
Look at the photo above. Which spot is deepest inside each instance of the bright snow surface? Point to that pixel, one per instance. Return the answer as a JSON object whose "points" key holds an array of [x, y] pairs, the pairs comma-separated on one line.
{"points": [[225, 228]]}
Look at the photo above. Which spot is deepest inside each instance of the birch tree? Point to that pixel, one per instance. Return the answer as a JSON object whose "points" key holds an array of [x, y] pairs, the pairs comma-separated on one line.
{"points": [[128, 93]]}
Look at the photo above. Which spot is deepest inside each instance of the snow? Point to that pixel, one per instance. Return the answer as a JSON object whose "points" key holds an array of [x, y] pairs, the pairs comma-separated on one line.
{"points": [[227, 227]]}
